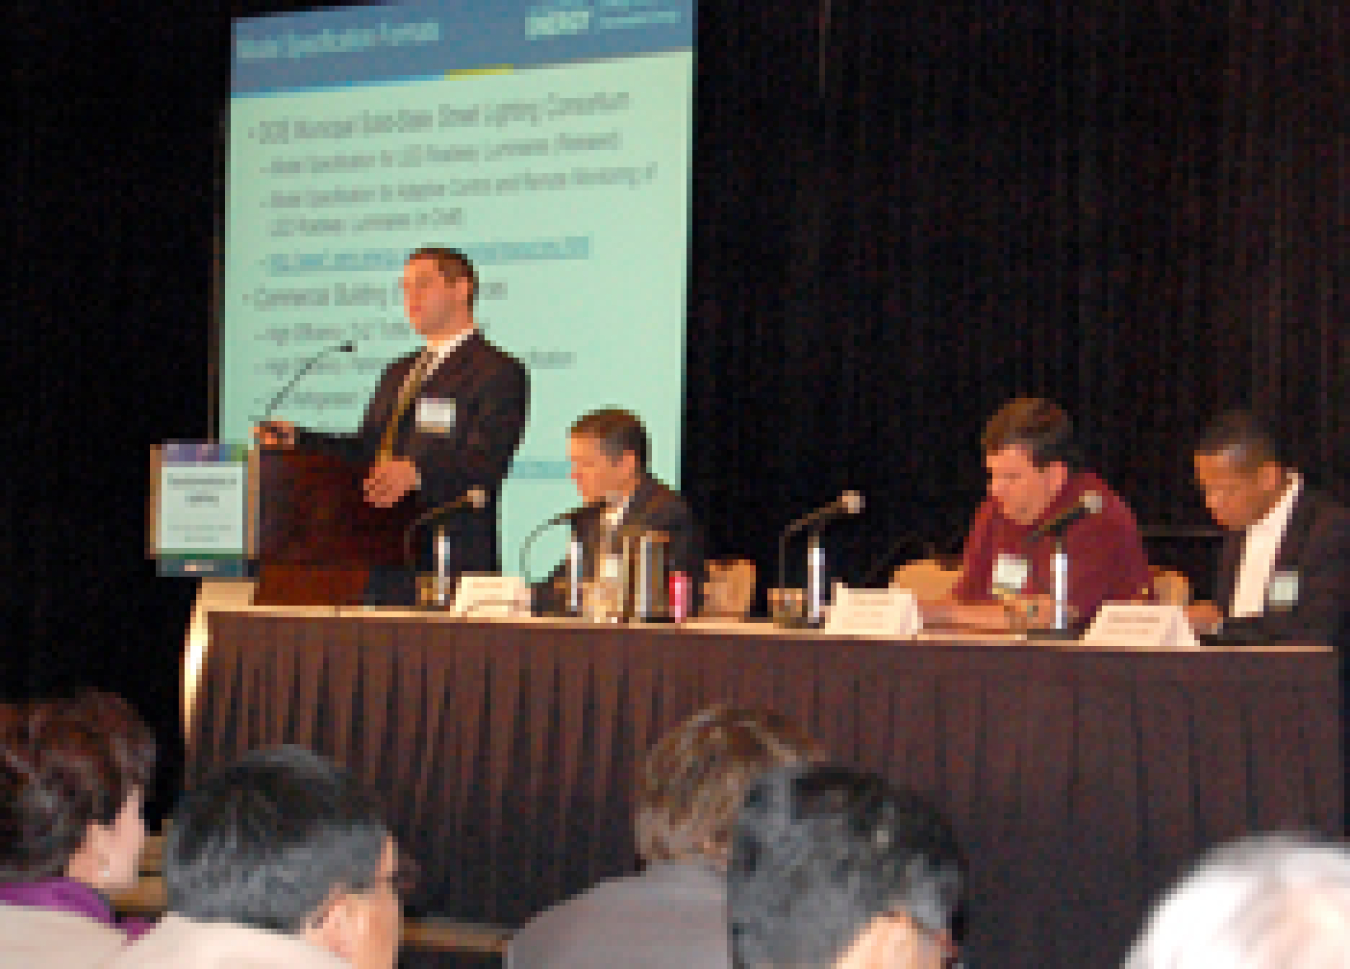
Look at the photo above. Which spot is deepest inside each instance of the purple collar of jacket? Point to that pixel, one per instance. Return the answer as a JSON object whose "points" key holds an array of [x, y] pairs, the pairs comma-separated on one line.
{"points": [[67, 895]]}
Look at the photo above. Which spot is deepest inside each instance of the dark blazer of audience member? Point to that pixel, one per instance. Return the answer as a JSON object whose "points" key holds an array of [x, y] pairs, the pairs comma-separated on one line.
{"points": [[276, 861], [673, 915], [833, 869], [73, 775], [1287, 551], [1265, 902], [608, 451], [1034, 477]]}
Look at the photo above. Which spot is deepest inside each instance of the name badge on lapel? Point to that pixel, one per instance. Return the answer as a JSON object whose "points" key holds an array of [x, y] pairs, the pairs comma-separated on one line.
{"points": [[1010, 574], [1282, 593], [436, 415]]}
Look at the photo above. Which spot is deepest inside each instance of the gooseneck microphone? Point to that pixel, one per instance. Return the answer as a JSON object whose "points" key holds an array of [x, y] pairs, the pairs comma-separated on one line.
{"points": [[310, 364], [558, 519], [848, 503], [1090, 503], [475, 499]]}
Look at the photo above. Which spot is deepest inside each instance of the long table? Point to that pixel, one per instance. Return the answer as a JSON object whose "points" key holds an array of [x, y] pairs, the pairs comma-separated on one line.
{"points": [[1079, 783]]}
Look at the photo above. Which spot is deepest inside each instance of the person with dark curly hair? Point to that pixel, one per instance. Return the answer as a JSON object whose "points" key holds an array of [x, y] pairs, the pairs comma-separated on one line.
{"points": [[73, 775], [833, 868], [277, 861]]}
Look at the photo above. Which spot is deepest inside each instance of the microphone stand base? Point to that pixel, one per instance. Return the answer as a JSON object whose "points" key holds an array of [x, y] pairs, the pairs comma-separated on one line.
{"points": [[1056, 634], [797, 622]]}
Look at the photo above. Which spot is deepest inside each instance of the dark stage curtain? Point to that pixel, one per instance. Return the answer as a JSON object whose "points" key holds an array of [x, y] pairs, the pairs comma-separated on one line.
{"points": [[903, 214], [907, 213]]}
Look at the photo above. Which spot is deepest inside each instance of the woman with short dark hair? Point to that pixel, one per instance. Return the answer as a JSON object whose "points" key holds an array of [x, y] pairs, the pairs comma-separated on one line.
{"points": [[73, 775]]}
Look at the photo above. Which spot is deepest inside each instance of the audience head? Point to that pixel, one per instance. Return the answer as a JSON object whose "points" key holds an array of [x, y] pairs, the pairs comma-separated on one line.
{"points": [[73, 774], [608, 452], [834, 868], [1270, 902], [284, 840], [692, 782], [1239, 468], [1028, 452]]}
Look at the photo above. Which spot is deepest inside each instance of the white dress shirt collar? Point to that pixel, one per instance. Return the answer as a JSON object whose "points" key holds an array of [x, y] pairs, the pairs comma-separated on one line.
{"points": [[1260, 547], [443, 349]]}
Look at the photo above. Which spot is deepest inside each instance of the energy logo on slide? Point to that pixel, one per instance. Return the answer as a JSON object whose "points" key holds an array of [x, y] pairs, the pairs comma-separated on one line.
{"points": [[559, 19]]}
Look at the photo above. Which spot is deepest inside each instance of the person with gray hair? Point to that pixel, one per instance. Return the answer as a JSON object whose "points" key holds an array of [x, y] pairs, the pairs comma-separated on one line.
{"points": [[1266, 902]]}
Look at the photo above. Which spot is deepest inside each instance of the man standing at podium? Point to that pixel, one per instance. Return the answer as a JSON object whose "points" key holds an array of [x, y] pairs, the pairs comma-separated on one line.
{"points": [[441, 422], [1037, 491]]}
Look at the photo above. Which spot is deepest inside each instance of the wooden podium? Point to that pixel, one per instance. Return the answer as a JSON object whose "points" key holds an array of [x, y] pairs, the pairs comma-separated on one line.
{"points": [[318, 539]]}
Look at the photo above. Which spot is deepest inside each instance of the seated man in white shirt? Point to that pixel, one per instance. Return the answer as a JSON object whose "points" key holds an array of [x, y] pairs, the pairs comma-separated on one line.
{"points": [[1284, 569], [276, 861]]}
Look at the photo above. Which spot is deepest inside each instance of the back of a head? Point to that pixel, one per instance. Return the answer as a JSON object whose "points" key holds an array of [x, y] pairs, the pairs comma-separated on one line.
{"points": [[690, 786], [266, 841], [65, 765], [820, 852], [1269, 902]]}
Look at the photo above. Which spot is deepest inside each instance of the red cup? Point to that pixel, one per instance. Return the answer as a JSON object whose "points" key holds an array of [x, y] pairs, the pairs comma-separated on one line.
{"points": [[679, 596]]}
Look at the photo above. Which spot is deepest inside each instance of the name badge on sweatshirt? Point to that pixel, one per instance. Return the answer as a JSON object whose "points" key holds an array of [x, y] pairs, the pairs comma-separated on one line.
{"points": [[1282, 593], [1010, 574], [435, 415]]}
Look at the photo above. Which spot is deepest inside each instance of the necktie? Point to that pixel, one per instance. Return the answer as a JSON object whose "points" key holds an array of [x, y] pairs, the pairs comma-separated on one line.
{"points": [[411, 385]]}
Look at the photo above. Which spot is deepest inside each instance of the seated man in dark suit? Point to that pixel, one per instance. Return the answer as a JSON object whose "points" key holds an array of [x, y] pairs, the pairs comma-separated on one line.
{"points": [[1284, 569], [832, 869], [608, 452]]}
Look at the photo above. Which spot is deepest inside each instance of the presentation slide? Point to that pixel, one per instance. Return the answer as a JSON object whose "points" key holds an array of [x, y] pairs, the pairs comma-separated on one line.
{"points": [[550, 142]]}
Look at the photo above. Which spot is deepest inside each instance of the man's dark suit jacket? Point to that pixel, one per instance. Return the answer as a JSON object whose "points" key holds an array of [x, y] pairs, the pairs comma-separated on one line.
{"points": [[654, 508], [1316, 545], [490, 390]]}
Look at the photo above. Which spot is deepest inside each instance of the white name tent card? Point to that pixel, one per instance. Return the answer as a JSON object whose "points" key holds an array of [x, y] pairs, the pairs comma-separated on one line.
{"points": [[873, 612], [491, 597], [1141, 627]]}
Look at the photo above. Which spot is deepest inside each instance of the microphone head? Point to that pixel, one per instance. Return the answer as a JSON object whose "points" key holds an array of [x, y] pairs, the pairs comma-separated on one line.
{"points": [[1092, 502], [852, 502], [476, 497]]}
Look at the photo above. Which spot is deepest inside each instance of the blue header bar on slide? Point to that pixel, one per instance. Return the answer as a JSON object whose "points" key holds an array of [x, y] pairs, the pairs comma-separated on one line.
{"points": [[430, 38]]}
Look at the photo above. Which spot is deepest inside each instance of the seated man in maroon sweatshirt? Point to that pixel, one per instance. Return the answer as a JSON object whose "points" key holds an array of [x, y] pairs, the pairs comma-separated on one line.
{"points": [[1007, 576]]}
